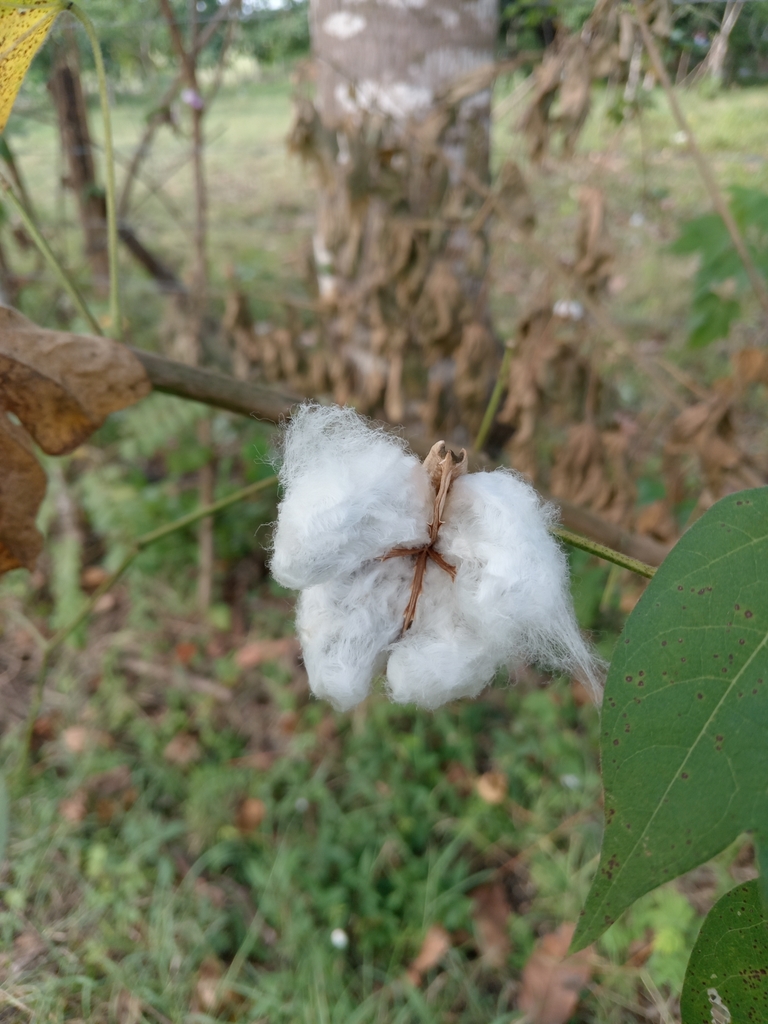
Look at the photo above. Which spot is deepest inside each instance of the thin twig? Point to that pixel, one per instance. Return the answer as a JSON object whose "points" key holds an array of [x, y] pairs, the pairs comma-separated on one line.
{"points": [[38, 238], [606, 553], [139, 155], [109, 173], [495, 400], [715, 194], [256, 400]]}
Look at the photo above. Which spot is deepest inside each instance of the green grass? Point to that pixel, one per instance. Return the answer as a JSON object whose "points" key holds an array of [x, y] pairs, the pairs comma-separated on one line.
{"points": [[153, 893]]}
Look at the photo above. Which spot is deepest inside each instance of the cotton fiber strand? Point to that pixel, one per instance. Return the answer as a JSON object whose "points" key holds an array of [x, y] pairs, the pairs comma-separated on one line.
{"points": [[353, 494]]}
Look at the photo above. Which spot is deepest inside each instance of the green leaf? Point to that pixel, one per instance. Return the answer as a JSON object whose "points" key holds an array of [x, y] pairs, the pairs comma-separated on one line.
{"points": [[711, 319], [705, 235], [721, 278], [685, 713], [727, 975]]}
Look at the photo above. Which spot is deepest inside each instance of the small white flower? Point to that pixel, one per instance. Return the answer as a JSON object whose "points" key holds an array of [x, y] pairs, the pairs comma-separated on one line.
{"points": [[339, 938], [361, 518], [301, 804]]}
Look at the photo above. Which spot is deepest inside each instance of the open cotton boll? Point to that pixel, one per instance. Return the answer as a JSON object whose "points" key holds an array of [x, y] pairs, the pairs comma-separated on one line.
{"points": [[439, 577], [351, 493], [511, 587], [346, 625]]}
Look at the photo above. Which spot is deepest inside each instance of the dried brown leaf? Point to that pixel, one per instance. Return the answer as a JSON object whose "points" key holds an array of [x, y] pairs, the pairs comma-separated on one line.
{"points": [[74, 808], [492, 787], [93, 576], [259, 760], [22, 488], [258, 651], [656, 520], [110, 783], [207, 997], [552, 980], [184, 749], [751, 365], [590, 469], [62, 386], [250, 814], [27, 947], [513, 196], [185, 651], [459, 777], [436, 944], [594, 250], [706, 430], [490, 913], [128, 1007], [79, 738]]}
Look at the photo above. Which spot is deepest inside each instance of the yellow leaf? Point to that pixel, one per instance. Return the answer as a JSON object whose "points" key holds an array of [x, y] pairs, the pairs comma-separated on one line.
{"points": [[23, 28]]}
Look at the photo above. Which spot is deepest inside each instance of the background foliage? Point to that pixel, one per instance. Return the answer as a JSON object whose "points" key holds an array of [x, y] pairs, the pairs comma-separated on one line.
{"points": [[195, 832]]}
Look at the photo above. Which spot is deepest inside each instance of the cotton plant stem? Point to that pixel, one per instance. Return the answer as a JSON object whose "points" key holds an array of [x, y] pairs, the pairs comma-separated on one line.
{"points": [[37, 237], [715, 194], [109, 174], [494, 401], [601, 551], [139, 545]]}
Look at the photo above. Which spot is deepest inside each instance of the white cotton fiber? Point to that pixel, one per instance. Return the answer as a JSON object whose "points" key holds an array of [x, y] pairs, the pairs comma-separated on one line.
{"points": [[508, 606], [351, 493], [441, 657], [346, 625]]}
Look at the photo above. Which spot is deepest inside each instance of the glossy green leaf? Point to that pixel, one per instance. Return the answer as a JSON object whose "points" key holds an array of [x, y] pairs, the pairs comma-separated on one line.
{"points": [[685, 715], [727, 976]]}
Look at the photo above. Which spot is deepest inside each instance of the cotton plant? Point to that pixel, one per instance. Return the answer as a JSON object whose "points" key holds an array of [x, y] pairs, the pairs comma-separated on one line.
{"points": [[421, 571]]}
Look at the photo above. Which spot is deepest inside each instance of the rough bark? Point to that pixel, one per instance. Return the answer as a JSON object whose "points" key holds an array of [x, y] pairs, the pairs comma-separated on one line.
{"points": [[401, 112]]}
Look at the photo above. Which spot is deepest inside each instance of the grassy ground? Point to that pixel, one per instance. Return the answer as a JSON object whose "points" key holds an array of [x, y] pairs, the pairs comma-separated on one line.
{"points": [[195, 829]]}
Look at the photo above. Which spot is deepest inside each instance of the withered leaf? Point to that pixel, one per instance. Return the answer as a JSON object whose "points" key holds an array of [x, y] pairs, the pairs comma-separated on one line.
{"points": [[183, 750], [436, 944], [552, 981], [22, 488], [594, 250], [250, 814], [492, 787], [490, 914], [61, 387]]}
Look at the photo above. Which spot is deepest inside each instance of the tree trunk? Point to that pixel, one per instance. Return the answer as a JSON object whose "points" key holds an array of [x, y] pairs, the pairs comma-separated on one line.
{"points": [[714, 65], [399, 128], [72, 113]]}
